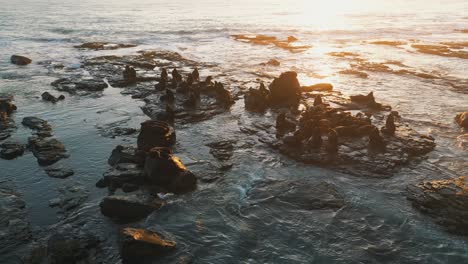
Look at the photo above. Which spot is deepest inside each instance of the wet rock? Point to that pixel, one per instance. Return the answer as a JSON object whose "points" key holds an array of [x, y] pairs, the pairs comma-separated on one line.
{"points": [[59, 171], [118, 177], [126, 154], [283, 124], [129, 208], [128, 187], [285, 90], [165, 170], [462, 119], [257, 99], [300, 194], [20, 60], [42, 127], [137, 243], [444, 200], [155, 134], [11, 150], [46, 96], [222, 150], [103, 46], [320, 87], [14, 226], [47, 151]]}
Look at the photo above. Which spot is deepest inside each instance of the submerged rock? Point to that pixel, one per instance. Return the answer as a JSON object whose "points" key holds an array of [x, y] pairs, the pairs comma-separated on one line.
{"points": [[137, 243], [69, 248], [11, 150], [304, 195], [42, 127], [222, 150], [462, 119], [155, 134], [129, 208], [70, 198], [445, 200], [20, 60], [59, 171]]}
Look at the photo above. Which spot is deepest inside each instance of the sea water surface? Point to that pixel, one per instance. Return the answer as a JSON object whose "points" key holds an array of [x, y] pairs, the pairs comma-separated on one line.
{"points": [[378, 225]]}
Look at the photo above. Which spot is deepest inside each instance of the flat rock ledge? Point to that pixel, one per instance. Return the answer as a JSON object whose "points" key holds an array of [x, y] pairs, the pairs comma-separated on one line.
{"points": [[444, 200]]}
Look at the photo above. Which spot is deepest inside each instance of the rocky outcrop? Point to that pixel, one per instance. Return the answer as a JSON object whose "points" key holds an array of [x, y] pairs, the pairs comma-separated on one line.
{"points": [[462, 120], [138, 243], [285, 90], [126, 154], [129, 208], [59, 171], [444, 200], [41, 126], [164, 169], [155, 134], [20, 60]]}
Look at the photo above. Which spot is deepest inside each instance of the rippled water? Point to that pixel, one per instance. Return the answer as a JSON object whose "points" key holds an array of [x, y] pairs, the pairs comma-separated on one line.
{"points": [[378, 225]]}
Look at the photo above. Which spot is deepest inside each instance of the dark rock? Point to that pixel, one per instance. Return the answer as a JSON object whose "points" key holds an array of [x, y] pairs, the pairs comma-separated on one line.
{"points": [[444, 200], [462, 119], [20, 60], [128, 187], [332, 142], [375, 139], [46, 96], [6, 107], [285, 90], [367, 100], [316, 139], [168, 171], [47, 151], [389, 127], [196, 75], [223, 95], [65, 248], [137, 244], [11, 150], [318, 100], [129, 208], [283, 124], [40, 125], [60, 172], [155, 134], [126, 154]]}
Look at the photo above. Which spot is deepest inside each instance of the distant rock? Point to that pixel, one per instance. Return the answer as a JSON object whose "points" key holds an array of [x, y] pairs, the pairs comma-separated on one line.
{"points": [[271, 62], [40, 125], [321, 87], [137, 243], [462, 119], [46, 96], [20, 60], [445, 200], [59, 171]]}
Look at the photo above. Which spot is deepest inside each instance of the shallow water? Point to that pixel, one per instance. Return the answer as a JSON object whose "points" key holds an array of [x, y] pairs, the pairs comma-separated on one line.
{"points": [[378, 225]]}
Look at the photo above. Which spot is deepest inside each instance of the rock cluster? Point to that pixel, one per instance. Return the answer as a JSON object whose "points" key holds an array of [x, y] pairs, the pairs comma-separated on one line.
{"points": [[445, 200]]}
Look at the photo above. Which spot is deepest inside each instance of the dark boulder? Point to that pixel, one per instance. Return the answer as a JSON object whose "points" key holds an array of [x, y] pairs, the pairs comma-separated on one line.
{"points": [[20, 60], [257, 100], [126, 154], [285, 90], [129, 208], [46, 96], [137, 243], [165, 170], [155, 133], [40, 125], [6, 107]]}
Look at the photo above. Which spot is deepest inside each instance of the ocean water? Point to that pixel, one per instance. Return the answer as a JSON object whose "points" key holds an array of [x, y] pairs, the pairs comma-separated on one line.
{"points": [[378, 225]]}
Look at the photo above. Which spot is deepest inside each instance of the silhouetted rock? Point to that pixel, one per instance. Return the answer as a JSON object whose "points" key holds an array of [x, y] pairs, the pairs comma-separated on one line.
{"points": [[367, 100], [389, 127], [46, 96], [155, 134], [20, 60], [257, 99], [320, 87], [137, 243], [126, 154], [285, 90]]}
